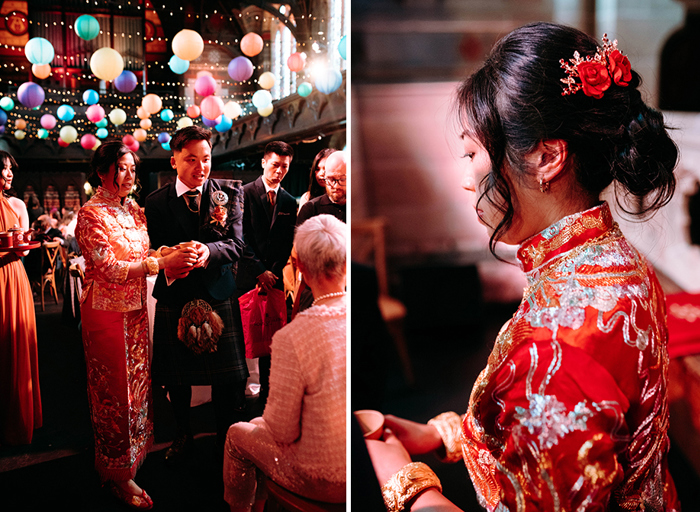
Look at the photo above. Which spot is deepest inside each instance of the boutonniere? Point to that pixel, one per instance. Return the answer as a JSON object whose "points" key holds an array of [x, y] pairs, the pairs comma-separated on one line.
{"points": [[220, 213]]}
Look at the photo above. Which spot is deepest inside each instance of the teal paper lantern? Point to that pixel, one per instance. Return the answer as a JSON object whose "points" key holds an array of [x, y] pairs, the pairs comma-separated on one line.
{"points": [[101, 133], [65, 113], [7, 104], [91, 97], [304, 89], [166, 115], [39, 50], [224, 125], [342, 47], [42, 133], [102, 123], [166, 146], [87, 27], [178, 65]]}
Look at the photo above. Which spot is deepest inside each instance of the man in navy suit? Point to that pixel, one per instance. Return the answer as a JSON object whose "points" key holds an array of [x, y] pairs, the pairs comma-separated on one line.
{"points": [[209, 214], [269, 218]]}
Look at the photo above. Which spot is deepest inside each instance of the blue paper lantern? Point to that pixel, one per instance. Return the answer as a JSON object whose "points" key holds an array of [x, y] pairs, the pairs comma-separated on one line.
{"points": [[30, 95], [3, 117], [328, 81], [87, 27], [240, 69], [166, 115], [211, 123], [91, 97], [304, 89], [225, 124], [342, 47], [166, 146], [163, 137], [101, 133], [65, 113], [102, 123], [7, 104], [126, 81], [42, 133], [178, 65], [39, 51]]}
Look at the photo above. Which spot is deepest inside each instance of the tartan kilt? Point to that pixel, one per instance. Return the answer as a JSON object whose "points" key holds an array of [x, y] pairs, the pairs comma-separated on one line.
{"points": [[175, 364]]}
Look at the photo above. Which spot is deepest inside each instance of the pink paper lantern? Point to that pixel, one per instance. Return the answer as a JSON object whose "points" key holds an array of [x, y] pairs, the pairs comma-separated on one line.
{"points": [[296, 62], [95, 113], [63, 143], [193, 111], [128, 139], [251, 44], [205, 85], [212, 107], [48, 121], [135, 146], [88, 141], [240, 69]]}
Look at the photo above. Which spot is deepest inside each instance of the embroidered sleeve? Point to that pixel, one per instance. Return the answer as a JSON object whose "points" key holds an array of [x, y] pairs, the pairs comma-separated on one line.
{"points": [[93, 235]]}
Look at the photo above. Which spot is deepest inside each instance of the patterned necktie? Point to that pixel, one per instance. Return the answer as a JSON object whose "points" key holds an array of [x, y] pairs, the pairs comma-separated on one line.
{"points": [[271, 197], [192, 199]]}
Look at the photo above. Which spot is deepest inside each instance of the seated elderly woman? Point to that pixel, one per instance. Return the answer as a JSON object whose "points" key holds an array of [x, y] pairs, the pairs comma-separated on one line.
{"points": [[299, 442]]}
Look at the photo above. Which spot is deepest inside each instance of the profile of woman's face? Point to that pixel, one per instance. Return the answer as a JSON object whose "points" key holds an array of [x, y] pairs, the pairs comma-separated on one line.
{"points": [[321, 173], [7, 174], [125, 171]]}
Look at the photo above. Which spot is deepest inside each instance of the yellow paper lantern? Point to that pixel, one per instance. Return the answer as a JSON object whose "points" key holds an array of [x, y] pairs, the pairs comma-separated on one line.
{"points": [[41, 70], [151, 103], [266, 111], [20, 134], [184, 122], [117, 116], [251, 44], [188, 44], [140, 134], [267, 80], [106, 64], [68, 134], [146, 124], [232, 110]]}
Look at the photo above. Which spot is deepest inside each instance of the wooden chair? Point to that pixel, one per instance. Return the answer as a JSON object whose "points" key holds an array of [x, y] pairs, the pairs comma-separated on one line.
{"points": [[50, 252], [368, 245], [281, 500]]}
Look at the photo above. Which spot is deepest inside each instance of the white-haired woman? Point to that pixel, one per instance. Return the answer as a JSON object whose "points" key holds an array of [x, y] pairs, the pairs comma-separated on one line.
{"points": [[299, 441]]}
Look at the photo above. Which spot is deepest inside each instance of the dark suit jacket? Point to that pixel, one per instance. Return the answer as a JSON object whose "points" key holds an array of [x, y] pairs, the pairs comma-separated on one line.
{"points": [[319, 205], [170, 222], [268, 238]]}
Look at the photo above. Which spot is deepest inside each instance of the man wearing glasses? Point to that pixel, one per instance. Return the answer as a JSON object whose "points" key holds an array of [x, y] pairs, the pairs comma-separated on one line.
{"points": [[333, 201]]}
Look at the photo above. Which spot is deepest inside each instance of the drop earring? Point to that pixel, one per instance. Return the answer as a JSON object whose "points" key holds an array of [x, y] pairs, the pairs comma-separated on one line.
{"points": [[544, 186]]}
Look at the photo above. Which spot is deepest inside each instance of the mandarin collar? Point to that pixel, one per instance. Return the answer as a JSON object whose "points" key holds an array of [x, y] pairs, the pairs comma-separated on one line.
{"points": [[564, 235], [110, 197]]}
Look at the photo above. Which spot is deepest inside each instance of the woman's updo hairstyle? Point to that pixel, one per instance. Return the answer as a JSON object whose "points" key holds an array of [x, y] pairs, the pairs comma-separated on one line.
{"points": [[106, 156], [515, 100]]}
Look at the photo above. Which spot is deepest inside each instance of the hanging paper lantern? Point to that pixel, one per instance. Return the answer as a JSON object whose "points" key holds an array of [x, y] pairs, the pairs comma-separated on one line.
{"points": [[211, 107], [48, 121], [163, 137], [184, 122], [7, 104], [65, 113], [266, 110], [262, 99], [251, 44], [102, 133], [20, 134], [95, 113], [42, 133], [188, 44], [193, 111], [211, 123], [140, 134], [342, 47], [87, 27], [102, 123], [41, 70], [328, 81], [232, 110], [91, 97], [240, 69], [205, 85], [296, 61], [3, 118], [39, 50], [30, 95], [145, 124], [68, 134], [134, 146], [166, 146], [142, 114], [178, 65], [151, 103], [117, 116], [166, 115], [98, 143], [63, 143], [304, 89], [267, 80], [88, 141], [2, 129], [224, 125], [126, 81], [128, 139], [20, 124], [106, 64]]}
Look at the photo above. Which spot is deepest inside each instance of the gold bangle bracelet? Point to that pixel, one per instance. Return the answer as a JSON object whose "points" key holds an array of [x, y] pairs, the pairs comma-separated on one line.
{"points": [[407, 483], [151, 265], [449, 426]]}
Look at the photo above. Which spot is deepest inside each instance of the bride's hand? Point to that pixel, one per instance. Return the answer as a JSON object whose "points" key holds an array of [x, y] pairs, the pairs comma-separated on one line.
{"points": [[387, 455], [417, 438]]}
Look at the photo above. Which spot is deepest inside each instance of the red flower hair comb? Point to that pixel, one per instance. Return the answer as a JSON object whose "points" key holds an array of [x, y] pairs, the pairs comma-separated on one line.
{"points": [[598, 72]]}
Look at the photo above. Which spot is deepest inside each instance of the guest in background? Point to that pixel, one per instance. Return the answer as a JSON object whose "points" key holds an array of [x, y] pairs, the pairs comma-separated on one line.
{"points": [[333, 201], [20, 397], [317, 183], [299, 442], [113, 238], [34, 209]]}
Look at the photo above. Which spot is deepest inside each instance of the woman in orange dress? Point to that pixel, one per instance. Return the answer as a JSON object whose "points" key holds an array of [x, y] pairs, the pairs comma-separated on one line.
{"points": [[20, 399], [112, 235]]}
